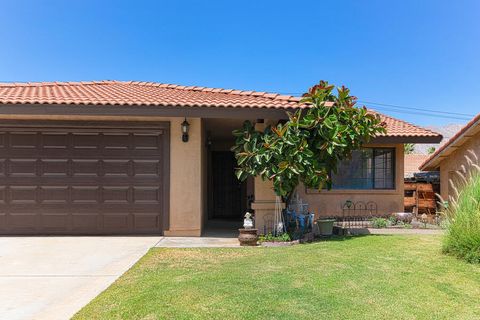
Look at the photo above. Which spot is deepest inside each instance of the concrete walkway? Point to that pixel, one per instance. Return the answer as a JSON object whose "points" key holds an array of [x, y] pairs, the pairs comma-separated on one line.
{"points": [[198, 242], [54, 277], [224, 241]]}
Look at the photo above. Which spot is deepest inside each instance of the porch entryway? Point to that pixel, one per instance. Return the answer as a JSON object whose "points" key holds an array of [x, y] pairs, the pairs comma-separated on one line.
{"points": [[228, 193], [227, 198]]}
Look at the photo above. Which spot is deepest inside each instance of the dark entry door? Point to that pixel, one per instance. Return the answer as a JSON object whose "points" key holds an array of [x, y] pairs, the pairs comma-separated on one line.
{"points": [[228, 191]]}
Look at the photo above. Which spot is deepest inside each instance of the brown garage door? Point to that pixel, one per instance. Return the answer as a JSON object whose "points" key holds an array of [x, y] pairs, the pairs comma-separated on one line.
{"points": [[82, 180]]}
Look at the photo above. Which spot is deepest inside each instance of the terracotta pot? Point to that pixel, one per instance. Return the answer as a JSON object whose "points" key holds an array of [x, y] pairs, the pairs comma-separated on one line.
{"points": [[248, 237]]}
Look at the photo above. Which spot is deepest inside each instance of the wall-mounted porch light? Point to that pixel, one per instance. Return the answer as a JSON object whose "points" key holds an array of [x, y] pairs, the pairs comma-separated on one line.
{"points": [[185, 127]]}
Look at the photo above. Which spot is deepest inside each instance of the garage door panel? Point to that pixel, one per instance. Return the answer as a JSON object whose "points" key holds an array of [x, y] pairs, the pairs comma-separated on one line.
{"points": [[53, 195], [119, 168], [53, 167], [23, 221], [2, 196], [146, 222], [85, 141], [3, 222], [84, 195], [116, 195], [146, 195], [118, 141], [55, 222], [23, 140], [3, 167], [87, 222], [81, 181], [114, 222], [22, 195], [147, 167], [147, 141], [85, 167], [22, 167], [54, 140]]}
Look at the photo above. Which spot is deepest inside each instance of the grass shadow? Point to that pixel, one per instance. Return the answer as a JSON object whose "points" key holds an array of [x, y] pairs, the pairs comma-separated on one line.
{"points": [[339, 238]]}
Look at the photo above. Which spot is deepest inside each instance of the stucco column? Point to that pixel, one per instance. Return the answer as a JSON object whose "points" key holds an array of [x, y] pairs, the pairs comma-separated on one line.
{"points": [[264, 204], [186, 181]]}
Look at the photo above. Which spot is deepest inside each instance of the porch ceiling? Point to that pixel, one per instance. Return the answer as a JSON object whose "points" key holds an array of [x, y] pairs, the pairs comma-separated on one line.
{"points": [[221, 129]]}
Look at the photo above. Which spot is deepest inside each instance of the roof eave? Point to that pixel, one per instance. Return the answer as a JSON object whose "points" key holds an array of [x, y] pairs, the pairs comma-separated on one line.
{"points": [[431, 166], [8, 110], [458, 140]]}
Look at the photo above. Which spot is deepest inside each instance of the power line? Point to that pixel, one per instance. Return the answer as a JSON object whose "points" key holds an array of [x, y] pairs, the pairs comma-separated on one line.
{"points": [[423, 111], [418, 109], [419, 113]]}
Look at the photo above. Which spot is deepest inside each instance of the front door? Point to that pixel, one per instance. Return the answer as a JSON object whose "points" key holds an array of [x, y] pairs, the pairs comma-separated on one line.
{"points": [[228, 191]]}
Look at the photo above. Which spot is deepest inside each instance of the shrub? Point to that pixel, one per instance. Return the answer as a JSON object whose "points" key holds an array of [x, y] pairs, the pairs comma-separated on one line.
{"points": [[269, 237], [404, 225], [392, 220], [309, 146], [463, 217], [379, 223]]}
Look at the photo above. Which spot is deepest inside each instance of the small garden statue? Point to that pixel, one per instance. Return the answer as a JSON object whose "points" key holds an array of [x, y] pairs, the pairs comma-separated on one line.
{"points": [[248, 235], [424, 218], [248, 221]]}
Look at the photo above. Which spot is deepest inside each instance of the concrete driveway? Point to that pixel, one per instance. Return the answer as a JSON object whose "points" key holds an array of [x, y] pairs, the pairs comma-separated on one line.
{"points": [[54, 277]]}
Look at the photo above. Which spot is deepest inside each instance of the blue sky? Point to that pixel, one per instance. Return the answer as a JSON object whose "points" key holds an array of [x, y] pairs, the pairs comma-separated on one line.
{"points": [[420, 54]]}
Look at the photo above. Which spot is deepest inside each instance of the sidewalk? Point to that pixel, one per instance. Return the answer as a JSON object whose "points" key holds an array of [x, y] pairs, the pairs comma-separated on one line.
{"points": [[198, 242]]}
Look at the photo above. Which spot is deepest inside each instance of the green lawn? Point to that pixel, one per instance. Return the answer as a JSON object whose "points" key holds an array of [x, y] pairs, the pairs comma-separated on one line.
{"points": [[370, 277]]}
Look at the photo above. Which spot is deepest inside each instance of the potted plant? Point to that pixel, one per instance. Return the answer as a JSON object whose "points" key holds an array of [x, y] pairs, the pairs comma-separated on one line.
{"points": [[325, 226]]}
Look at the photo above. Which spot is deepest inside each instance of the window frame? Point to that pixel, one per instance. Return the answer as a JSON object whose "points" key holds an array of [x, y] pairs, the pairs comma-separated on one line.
{"points": [[394, 172]]}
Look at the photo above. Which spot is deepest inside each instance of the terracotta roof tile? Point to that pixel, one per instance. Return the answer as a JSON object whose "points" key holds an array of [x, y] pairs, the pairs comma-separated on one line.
{"points": [[132, 93], [401, 128]]}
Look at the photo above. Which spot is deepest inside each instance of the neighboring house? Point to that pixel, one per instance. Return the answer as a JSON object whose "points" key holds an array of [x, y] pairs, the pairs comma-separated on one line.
{"points": [[412, 164], [110, 157], [451, 156], [420, 187]]}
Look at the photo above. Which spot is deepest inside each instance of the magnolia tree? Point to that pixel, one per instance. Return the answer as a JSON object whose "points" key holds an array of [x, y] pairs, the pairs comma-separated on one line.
{"points": [[308, 147]]}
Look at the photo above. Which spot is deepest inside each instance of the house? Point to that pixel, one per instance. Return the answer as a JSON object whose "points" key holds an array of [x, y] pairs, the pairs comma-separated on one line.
{"points": [[412, 164], [113, 157], [452, 156]]}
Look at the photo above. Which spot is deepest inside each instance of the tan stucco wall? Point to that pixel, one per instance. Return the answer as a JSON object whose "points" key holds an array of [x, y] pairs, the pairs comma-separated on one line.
{"points": [[186, 179], [204, 166], [454, 162]]}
